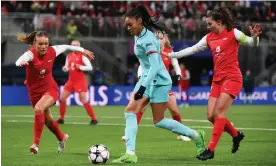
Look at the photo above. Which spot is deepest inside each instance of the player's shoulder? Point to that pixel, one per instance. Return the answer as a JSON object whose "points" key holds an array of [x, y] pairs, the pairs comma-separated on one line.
{"points": [[32, 49]]}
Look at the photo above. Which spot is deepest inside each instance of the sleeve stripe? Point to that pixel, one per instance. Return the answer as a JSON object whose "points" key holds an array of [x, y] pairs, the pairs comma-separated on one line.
{"points": [[151, 52]]}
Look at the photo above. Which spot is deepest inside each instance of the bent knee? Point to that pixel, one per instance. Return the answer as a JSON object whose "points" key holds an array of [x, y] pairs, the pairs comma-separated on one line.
{"points": [[62, 100], [211, 117], [39, 109]]}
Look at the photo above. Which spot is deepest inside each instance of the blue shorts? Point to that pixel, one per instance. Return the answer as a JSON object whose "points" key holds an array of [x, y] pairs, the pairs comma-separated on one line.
{"points": [[159, 93], [155, 93]]}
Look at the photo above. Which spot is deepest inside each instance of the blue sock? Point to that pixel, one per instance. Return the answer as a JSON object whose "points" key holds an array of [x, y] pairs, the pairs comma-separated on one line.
{"points": [[176, 127], [131, 131]]}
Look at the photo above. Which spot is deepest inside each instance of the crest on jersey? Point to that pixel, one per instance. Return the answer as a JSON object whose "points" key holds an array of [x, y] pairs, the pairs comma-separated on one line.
{"points": [[218, 49], [42, 71]]}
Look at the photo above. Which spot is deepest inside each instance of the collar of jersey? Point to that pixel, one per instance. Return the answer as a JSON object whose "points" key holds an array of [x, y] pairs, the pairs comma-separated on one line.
{"points": [[144, 31]]}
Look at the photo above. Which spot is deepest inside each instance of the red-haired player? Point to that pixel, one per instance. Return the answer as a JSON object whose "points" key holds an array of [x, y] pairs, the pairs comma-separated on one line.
{"points": [[76, 64], [42, 88], [223, 40]]}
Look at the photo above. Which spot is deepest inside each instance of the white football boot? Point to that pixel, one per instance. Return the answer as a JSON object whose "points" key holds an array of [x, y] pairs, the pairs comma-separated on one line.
{"points": [[61, 144], [34, 149]]}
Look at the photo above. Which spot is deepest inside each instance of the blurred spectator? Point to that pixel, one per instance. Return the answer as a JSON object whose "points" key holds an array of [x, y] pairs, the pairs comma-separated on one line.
{"points": [[264, 83], [71, 30], [270, 59], [273, 79], [248, 85], [129, 77], [204, 77], [98, 77]]}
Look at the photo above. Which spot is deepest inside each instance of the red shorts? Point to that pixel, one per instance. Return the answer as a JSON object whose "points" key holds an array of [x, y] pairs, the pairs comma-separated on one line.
{"points": [[170, 93], [228, 86], [51, 92], [184, 84], [78, 87]]}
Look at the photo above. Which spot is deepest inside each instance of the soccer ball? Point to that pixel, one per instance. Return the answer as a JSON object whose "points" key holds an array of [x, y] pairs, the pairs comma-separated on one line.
{"points": [[98, 154]]}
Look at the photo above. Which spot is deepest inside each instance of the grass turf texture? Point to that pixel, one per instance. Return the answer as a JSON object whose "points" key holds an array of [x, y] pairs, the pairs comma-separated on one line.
{"points": [[155, 147]]}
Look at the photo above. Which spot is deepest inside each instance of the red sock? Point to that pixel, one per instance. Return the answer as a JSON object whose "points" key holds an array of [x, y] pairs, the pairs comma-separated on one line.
{"points": [[177, 117], [38, 127], [217, 132], [187, 96], [54, 128], [62, 110], [90, 111], [139, 116], [229, 128]]}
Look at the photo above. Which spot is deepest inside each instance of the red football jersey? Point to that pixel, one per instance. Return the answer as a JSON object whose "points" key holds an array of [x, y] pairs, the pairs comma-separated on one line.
{"points": [[75, 75], [39, 77], [224, 47], [167, 61]]}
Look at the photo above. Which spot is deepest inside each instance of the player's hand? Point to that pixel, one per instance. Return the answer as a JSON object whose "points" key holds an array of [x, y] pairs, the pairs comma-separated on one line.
{"points": [[89, 54], [165, 53], [65, 69], [77, 66], [23, 64], [256, 30], [139, 94], [178, 78]]}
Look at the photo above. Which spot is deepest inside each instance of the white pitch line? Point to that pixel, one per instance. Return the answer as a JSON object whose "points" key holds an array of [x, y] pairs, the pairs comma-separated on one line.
{"points": [[101, 117], [142, 125]]}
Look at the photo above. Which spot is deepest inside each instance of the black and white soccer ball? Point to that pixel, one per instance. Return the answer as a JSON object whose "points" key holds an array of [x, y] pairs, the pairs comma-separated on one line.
{"points": [[98, 154]]}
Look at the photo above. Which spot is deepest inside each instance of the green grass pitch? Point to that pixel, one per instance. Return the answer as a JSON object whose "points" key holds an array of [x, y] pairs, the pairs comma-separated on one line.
{"points": [[154, 147]]}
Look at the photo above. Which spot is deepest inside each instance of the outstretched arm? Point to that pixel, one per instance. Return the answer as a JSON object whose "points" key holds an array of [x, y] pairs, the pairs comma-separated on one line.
{"points": [[200, 46], [176, 66], [253, 40], [24, 59], [62, 48]]}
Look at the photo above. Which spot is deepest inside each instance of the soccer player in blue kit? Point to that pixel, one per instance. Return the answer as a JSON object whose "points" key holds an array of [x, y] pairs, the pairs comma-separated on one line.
{"points": [[153, 86]]}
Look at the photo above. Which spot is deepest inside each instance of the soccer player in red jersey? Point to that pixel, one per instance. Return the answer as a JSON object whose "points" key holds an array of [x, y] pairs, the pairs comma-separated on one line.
{"points": [[184, 84], [223, 40], [76, 64], [171, 105], [42, 88]]}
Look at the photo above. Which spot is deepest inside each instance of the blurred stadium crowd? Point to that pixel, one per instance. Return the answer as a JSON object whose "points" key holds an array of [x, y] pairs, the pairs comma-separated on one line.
{"points": [[185, 19]]}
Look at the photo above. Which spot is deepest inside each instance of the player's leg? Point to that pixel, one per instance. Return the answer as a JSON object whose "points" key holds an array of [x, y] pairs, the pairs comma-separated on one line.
{"points": [[226, 98], [88, 108], [214, 95], [54, 128], [159, 99], [40, 106], [186, 89], [131, 129], [140, 114], [223, 103], [180, 90], [67, 90], [62, 107], [173, 108]]}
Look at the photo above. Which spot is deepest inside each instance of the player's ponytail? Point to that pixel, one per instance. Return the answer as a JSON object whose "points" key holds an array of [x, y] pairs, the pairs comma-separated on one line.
{"points": [[30, 38], [224, 15], [167, 43], [150, 22]]}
